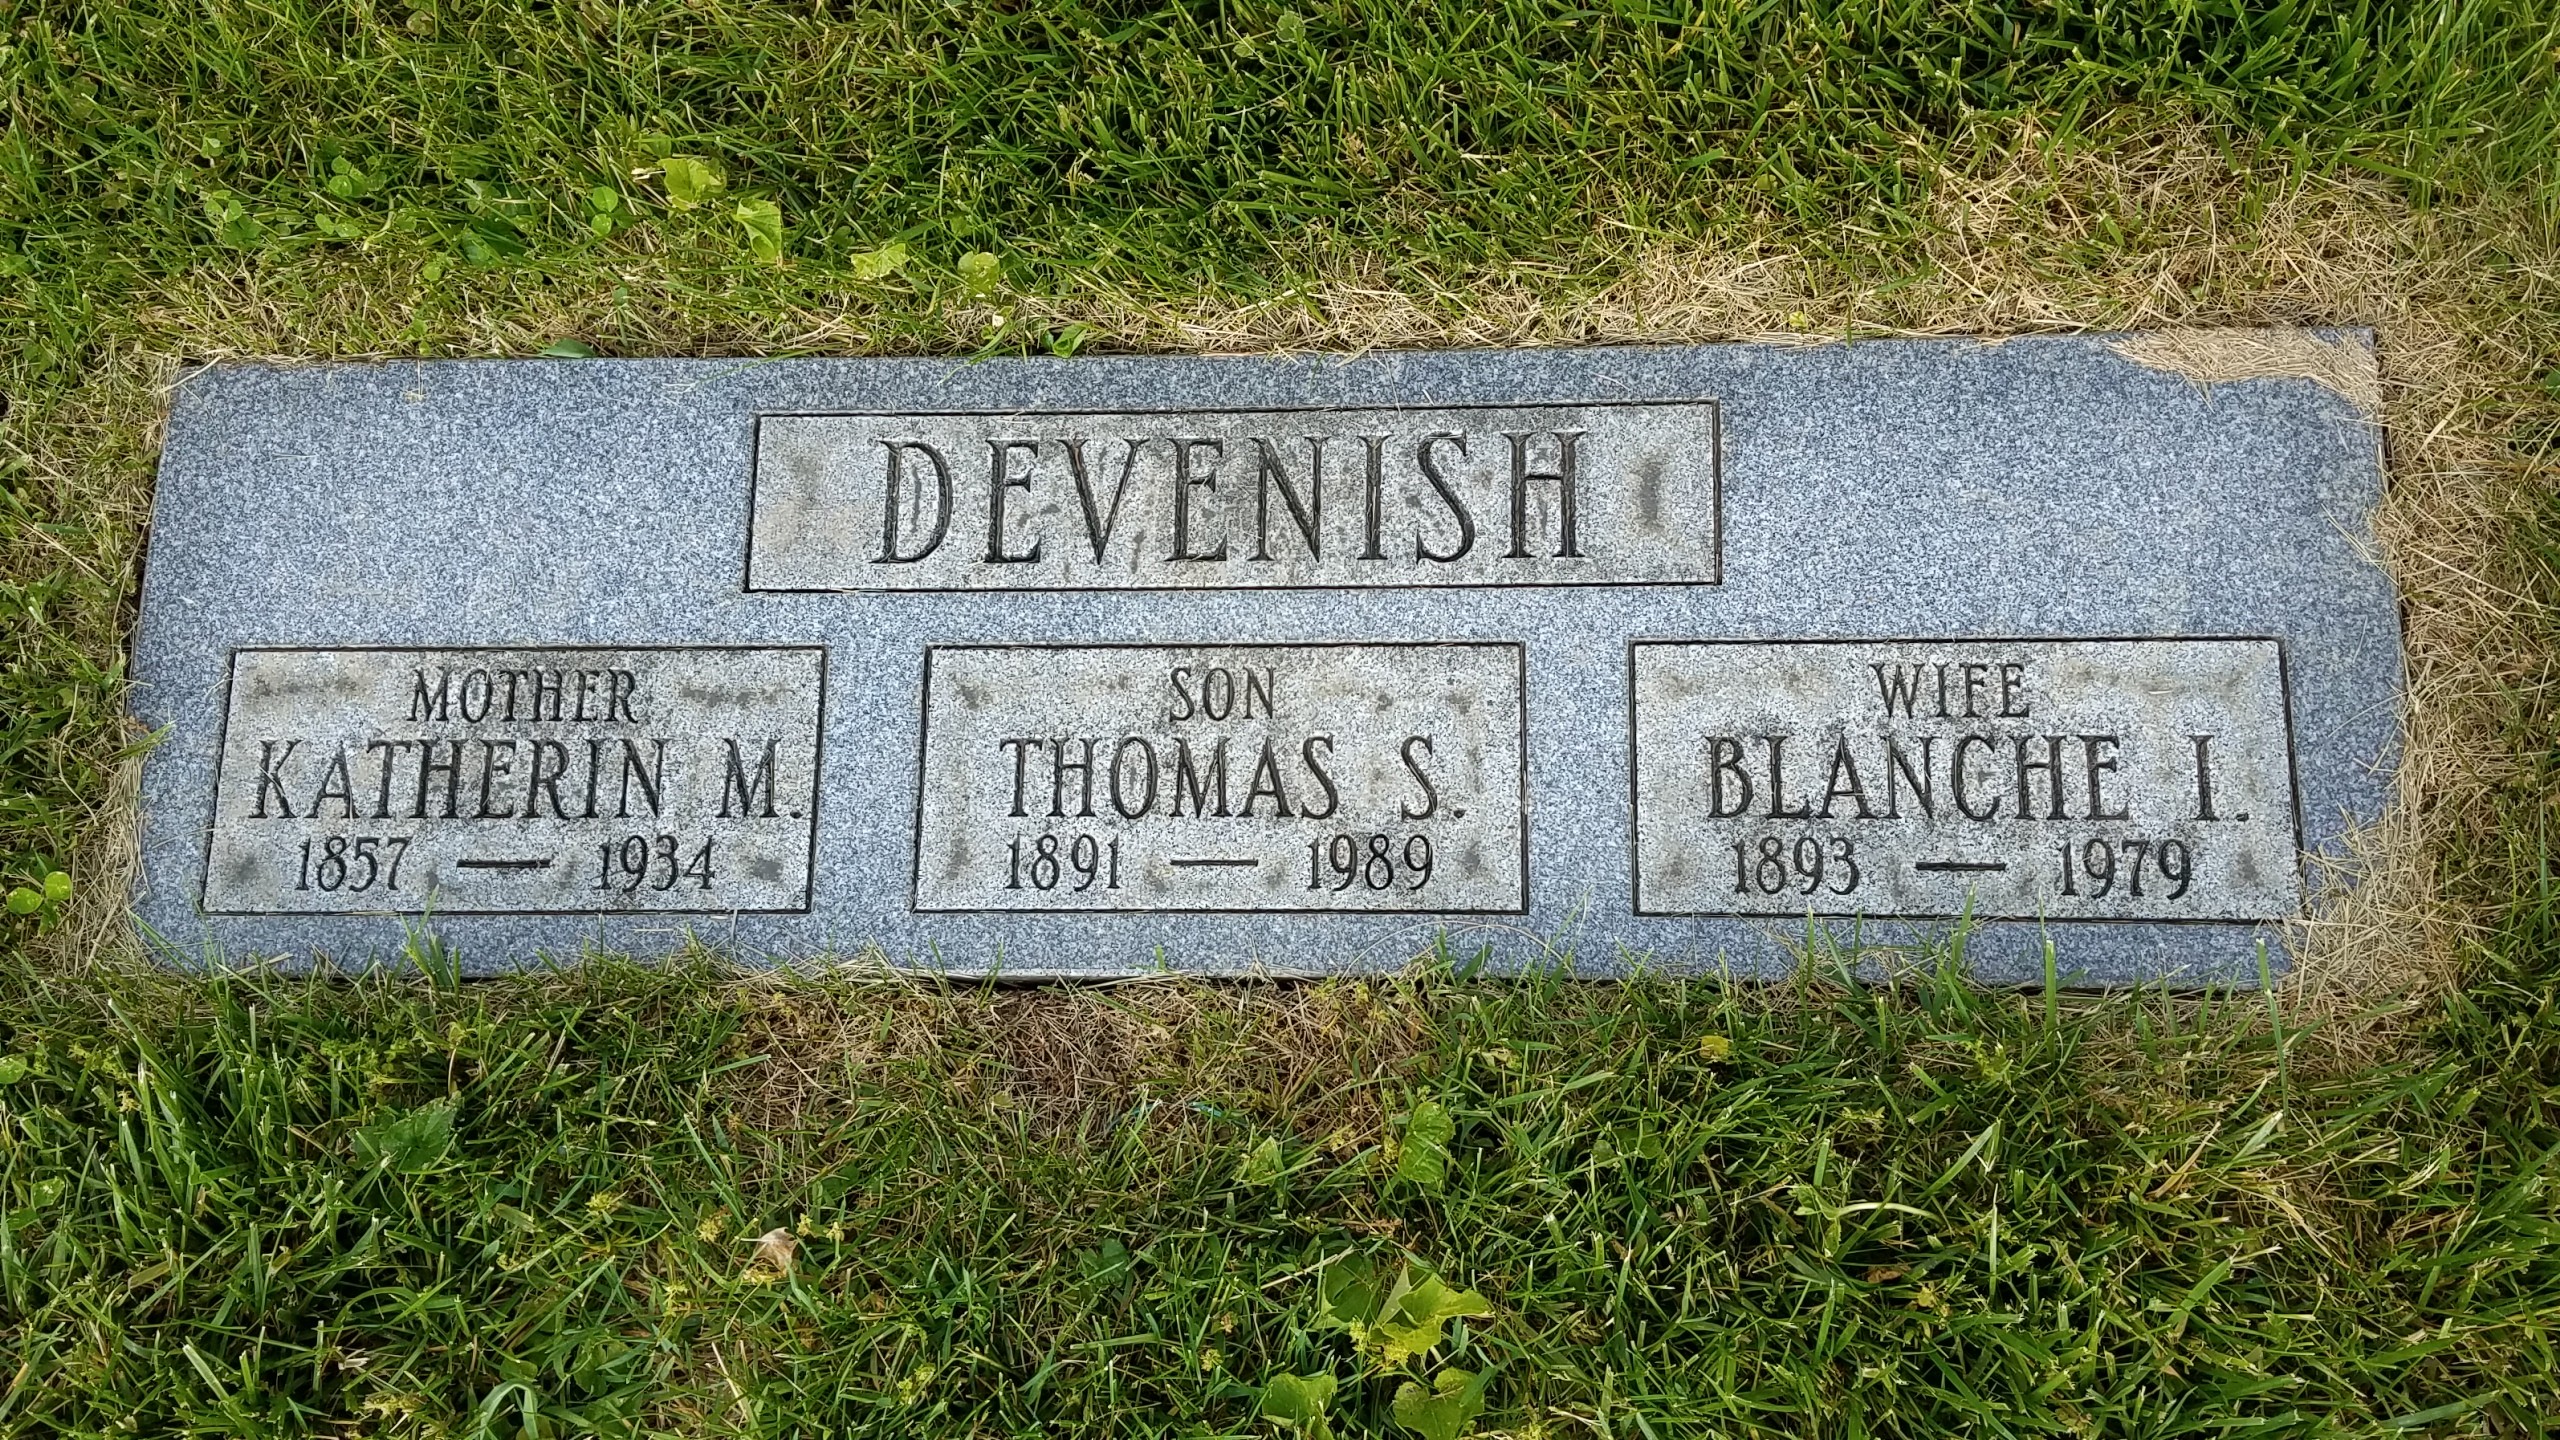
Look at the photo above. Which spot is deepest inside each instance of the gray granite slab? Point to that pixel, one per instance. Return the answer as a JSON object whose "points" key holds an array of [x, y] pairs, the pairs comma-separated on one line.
{"points": [[2160, 560]]}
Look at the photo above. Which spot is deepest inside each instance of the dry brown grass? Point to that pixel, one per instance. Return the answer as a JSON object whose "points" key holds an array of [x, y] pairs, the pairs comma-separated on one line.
{"points": [[1314, 1058], [2165, 235]]}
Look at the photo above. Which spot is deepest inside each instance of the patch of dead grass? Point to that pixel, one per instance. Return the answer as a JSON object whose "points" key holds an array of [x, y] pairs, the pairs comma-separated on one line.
{"points": [[1315, 1057]]}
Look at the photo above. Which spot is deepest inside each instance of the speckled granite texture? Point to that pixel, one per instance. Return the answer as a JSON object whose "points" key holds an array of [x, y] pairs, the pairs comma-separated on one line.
{"points": [[2035, 487]]}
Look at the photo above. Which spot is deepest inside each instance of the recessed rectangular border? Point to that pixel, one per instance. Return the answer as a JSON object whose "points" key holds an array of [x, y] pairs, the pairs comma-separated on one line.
{"points": [[222, 746], [755, 462], [924, 721], [1635, 829]]}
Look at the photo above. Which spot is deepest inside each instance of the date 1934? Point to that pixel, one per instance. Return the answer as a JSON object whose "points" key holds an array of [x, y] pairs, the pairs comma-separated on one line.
{"points": [[659, 862]]}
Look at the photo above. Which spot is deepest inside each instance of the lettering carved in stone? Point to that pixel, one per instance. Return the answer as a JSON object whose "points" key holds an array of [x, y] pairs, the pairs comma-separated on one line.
{"points": [[455, 781], [2004, 779], [1348, 777], [1588, 494]]}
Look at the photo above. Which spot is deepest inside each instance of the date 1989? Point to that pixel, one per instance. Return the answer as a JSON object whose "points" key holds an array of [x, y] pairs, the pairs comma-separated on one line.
{"points": [[1373, 862]]}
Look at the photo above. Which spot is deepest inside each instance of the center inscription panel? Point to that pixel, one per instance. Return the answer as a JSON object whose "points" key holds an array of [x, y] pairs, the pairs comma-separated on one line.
{"points": [[1623, 493], [1324, 777]]}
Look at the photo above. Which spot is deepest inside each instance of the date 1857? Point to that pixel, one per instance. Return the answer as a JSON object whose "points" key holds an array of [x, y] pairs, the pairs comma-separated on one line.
{"points": [[352, 864]]}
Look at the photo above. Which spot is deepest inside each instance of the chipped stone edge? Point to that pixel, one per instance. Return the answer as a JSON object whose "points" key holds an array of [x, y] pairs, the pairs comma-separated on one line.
{"points": [[2346, 364]]}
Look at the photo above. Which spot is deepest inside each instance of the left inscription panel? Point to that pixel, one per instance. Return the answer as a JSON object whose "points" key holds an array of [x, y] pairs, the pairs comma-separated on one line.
{"points": [[517, 780]]}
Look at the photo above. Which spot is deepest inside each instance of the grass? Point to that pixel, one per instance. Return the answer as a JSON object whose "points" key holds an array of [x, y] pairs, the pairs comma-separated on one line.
{"points": [[277, 1205], [405, 1205]]}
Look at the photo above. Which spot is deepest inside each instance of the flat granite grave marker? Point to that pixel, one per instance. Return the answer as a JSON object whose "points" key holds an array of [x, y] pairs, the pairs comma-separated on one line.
{"points": [[1235, 500], [1672, 656]]}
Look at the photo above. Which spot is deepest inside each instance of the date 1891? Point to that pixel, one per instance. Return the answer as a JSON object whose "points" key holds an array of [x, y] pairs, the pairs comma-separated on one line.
{"points": [[1078, 862]]}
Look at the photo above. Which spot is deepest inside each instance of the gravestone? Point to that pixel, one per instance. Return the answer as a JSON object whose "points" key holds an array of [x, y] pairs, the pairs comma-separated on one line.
{"points": [[1683, 657]]}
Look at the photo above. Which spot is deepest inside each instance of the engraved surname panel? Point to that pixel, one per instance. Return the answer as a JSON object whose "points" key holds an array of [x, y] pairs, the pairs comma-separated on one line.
{"points": [[1319, 777], [1581, 494], [504, 780], [2138, 779]]}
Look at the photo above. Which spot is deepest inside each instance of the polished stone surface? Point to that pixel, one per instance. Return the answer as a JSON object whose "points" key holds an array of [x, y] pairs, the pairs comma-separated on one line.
{"points": [[1935, 489], [493, 782]]}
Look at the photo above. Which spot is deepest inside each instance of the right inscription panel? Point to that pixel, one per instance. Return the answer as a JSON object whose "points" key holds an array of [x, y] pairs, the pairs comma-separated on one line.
{"points": [[2146, 779]]}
